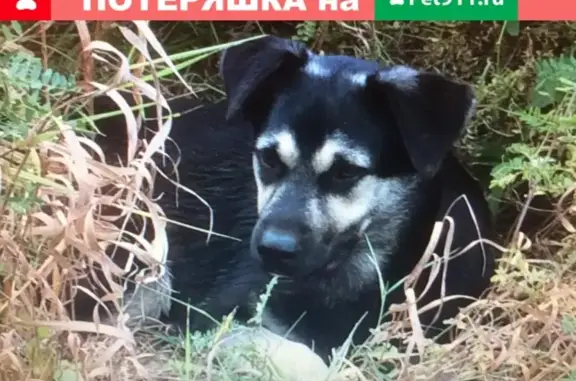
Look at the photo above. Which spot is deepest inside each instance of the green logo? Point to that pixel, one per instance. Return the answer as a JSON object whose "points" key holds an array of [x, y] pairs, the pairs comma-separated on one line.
{"points": [[447, 10]]}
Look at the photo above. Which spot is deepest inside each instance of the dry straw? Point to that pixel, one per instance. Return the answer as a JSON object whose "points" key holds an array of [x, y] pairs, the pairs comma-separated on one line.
{"points": [[46, 249]]}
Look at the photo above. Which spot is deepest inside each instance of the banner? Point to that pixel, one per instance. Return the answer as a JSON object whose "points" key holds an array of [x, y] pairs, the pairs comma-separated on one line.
{"points": [[447, 10], [268, 10]]}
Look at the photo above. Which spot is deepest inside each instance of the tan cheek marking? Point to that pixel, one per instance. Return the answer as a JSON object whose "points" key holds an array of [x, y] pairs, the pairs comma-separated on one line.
{"points": [[324, 157], [346, 211], [263, 192], [287, 149], [314, 214]]}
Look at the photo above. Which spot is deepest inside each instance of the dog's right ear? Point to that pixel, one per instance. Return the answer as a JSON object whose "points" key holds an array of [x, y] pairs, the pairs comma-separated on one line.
{"points": [[430, 110], [254, 71]]}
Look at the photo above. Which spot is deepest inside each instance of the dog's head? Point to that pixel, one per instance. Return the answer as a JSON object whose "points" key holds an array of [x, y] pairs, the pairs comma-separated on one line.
{"points": [[341, 147]]}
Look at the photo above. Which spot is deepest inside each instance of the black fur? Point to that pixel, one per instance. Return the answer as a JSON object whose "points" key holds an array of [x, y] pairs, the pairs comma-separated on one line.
{"points": [[221, 275], [217, 276]]}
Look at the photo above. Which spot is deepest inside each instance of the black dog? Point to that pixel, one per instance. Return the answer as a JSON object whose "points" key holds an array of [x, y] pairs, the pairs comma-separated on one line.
{"points": [[214, 276], [332, 170]]}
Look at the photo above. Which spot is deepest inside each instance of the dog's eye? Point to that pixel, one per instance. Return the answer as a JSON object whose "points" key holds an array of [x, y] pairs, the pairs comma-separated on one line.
{"points": [[344, 171], [269, 158]]}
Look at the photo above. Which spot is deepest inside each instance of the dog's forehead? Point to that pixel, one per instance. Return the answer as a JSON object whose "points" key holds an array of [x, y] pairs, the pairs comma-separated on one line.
{"points": [[344, 68], [323, 112]]}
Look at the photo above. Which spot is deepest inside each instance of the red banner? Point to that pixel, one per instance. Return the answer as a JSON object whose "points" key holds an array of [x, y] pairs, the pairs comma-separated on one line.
{"points": [[25, 10]]}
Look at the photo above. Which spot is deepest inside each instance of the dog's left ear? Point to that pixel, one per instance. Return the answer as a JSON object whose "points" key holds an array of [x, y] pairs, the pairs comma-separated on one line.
{"points": [[254, 71], [430, 110]]}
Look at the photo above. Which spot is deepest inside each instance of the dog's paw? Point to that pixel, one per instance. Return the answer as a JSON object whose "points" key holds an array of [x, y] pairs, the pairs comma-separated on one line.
{"points": [[270, 355]]}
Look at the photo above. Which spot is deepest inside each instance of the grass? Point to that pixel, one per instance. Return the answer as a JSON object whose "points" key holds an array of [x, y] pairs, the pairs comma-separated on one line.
{"points": [[57, 191]]}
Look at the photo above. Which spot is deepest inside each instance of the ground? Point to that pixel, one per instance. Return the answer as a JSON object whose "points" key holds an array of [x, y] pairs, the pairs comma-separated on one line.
{"points": [[521, 146]]}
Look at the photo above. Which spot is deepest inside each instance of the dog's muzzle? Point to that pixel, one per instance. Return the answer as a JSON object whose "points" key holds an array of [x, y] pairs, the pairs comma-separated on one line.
{"points": [[282, 246], [278, 250]]}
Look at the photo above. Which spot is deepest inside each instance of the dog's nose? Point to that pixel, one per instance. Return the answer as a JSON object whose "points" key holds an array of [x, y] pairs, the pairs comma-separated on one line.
{"points": [[278, 248], [278, 241]]}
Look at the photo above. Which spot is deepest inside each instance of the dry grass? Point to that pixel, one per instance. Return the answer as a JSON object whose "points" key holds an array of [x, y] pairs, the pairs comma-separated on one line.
{"points": [[58, 191], [76, 207]]}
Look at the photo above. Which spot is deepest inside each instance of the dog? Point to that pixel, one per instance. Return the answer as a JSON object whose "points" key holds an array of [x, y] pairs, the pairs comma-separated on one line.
{"points": [[332, 171], [353, 165]]}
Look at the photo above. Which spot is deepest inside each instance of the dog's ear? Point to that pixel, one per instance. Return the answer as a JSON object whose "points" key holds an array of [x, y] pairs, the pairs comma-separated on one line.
{"points": [[255, 70], [430, 110]]}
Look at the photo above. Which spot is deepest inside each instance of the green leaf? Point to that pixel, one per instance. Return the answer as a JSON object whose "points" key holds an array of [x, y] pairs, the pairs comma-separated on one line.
{"points": [[550, 75], [512, 28], [46, 75], [569, 325], [67, 371], [17, 27], [43, 332], [6, 32], [35, 74]]}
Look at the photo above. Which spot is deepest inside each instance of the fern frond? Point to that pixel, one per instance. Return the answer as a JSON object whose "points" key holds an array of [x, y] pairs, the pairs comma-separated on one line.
{"points": [[551, 75]]}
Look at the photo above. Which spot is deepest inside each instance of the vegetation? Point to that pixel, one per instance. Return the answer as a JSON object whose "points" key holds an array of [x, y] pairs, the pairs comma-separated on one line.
{"points": [[521, 145]]}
